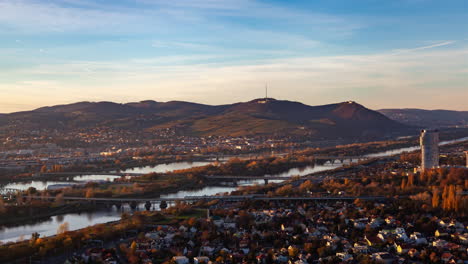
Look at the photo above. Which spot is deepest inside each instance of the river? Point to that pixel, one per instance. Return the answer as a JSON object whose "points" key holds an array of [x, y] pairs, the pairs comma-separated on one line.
{"points": [[78, 221], [410, 149], [160, 168]]}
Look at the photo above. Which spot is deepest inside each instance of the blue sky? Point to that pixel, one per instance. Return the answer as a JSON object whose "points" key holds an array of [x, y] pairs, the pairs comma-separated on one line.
{"points": [[402, 53]]}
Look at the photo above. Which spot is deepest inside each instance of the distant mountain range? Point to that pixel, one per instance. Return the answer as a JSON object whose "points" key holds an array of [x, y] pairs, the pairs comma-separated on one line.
{"points": [[427, 118], [256, 117]]}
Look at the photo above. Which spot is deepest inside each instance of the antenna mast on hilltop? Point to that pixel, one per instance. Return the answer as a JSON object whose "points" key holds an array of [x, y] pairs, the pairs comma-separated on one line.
{"points": [[266, 92]]}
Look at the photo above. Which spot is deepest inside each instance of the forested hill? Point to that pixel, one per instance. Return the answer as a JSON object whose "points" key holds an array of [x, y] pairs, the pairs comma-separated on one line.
{"points": [[256, 117]]}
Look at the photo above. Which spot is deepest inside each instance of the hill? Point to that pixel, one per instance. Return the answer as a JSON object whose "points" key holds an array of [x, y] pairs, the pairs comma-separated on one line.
{"points": [[256, 117], [427, 118]]}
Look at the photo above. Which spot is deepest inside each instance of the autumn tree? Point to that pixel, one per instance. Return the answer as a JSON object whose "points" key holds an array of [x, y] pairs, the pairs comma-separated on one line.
{"points": [[403, 184], [435, 197], [133, 247], [306, 186], [89, 193], [59, 199], [63, 228], [44, 169], [2, 206]]}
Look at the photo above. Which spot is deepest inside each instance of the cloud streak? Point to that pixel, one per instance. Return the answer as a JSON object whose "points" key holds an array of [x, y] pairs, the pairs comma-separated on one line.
{"points": [[441, 44]]}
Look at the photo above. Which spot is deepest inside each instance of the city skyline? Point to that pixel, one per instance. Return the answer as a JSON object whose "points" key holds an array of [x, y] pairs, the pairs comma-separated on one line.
{"points": [[404, 54]]}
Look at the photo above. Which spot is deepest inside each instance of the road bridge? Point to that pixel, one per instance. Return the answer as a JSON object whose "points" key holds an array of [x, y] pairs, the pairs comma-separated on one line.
{"points": [[233, 178], [314, 178], [216, 197], [84, 173]]}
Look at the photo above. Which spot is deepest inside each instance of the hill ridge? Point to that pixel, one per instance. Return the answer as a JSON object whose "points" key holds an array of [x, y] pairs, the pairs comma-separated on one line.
{"points": [[255, 117]]}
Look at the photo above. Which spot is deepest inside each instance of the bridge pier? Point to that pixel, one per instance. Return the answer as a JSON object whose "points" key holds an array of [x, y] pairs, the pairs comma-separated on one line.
{"points": [[148, 206], [266, 181], [133, 205]]}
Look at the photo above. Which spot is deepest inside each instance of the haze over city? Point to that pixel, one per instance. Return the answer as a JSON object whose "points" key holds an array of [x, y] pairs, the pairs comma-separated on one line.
{"points": [[383, 54]]}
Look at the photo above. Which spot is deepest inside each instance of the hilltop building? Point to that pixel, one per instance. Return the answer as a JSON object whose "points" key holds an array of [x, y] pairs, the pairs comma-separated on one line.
{"points": [[429, 141]]}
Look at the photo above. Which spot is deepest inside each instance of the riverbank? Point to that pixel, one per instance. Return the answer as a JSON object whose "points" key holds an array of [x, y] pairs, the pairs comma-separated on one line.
{"points": [[42, 214]]}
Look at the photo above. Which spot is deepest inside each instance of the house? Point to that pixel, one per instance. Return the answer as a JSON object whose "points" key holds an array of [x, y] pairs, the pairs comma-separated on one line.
{"points": [[463, 238], [446, 257], [181, 260], [360, 249], [440, 243], [383, 257], [372, 240], [402, 248], [200, 260], [207, 250], [418, 238], [344, 256], [413, 253], [440, 234]]}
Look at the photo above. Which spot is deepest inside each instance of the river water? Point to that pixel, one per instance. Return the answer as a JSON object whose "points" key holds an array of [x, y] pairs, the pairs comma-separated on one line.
{"points": [[160, 168], [410, 149], [78, 221]]}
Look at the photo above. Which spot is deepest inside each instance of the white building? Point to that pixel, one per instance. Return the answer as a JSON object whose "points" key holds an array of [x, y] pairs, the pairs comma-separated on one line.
{"points": [[466, 153], [429, 141]]}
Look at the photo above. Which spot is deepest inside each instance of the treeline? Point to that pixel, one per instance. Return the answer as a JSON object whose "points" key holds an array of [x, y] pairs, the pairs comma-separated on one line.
{"points": [[448, 160], [65, 241], [236, 166]]}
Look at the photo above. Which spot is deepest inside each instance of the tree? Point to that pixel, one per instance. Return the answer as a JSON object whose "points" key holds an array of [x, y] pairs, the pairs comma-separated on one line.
{"points": [[68, 242], [59, 199], [435, 197], [284, 190], [63, 228], [293, 251], [89, 193], [410, 180], [44, 169], [19, 198], [34, 238], [403, 184], [2, 206], [306, 186], [133, 247]]}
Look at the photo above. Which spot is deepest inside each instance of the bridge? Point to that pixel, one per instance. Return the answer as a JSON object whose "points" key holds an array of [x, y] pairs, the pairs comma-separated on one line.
{"points": [[314, 178], [232, 198], [233, 178], [341, 158], [83, 173]]}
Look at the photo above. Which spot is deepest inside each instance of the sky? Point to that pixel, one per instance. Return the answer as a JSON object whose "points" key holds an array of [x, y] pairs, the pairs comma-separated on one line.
{"points": [[382, 54]]}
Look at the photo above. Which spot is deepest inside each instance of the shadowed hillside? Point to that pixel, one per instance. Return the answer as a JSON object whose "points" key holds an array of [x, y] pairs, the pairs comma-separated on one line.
{"points": [[256, 117], [427, 118]]}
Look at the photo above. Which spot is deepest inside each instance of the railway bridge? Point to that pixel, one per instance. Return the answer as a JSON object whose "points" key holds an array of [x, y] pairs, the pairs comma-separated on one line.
{"points": [[148, 202]]}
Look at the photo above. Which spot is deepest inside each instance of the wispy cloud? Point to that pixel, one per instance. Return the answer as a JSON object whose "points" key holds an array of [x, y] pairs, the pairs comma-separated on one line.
{"points": [[81, 15], [441, 44], [48, 16]]}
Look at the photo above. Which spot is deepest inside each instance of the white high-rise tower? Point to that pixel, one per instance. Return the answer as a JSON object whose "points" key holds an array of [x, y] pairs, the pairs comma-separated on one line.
{"points": [[429, 141]]}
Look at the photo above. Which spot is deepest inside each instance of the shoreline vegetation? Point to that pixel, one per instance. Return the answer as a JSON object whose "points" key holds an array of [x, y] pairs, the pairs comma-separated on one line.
{"points": [[146, 186], [142, 159], [189, 179], [422, 196]]}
